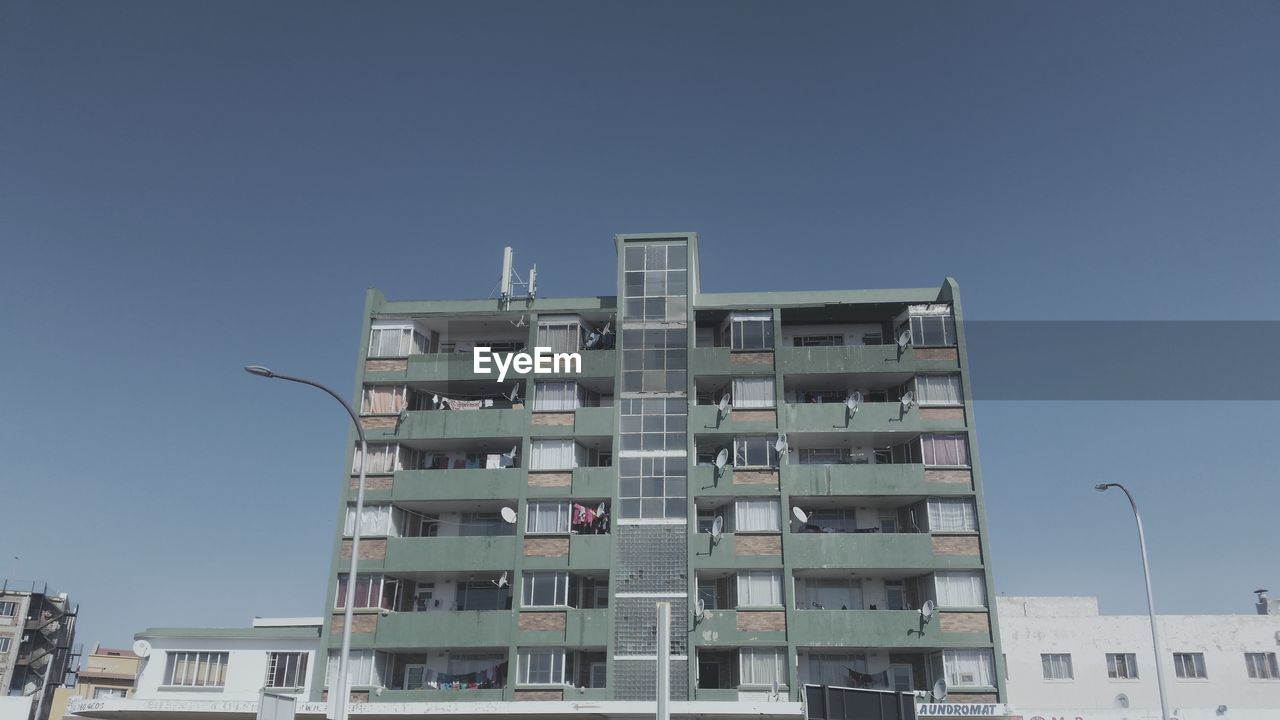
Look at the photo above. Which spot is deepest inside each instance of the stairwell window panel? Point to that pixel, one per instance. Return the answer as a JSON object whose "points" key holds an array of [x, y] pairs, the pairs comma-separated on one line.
{"points": [[960, 589], [757, 515], [552, 455], [949, 450], [759, 588], [952, 515], [751, 393], [938, 389]]}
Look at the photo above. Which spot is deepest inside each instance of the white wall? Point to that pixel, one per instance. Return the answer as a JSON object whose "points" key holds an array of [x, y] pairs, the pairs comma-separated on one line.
{"points": [[246, 667], [1030, 626], [15, 708]]}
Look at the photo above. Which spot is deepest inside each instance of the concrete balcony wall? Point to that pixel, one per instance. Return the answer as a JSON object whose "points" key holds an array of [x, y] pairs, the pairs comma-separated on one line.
{"points": [[863, 359], [904, 479], [870, 551], [421, 485], [876, 628], [444, 628]]}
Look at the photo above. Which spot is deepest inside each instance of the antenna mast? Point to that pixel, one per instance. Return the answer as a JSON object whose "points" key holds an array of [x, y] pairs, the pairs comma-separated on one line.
{"points": [[511, 280]]}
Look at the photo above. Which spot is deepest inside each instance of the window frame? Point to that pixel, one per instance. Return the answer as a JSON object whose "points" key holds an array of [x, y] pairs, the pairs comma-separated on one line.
{"points": [[770, 401], [737, 322], [1266, 667], [564, 510], [743, 598], [779, 666], [1193, 661], [204, 665], [295, 668], [1122, 666], [524, 665], [1057, 666], [741, 449], [921, 390], [774, 512], [530, 586]]}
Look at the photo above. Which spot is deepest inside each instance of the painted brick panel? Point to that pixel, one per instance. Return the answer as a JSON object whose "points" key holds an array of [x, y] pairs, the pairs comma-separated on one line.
{"points": [[962, 477], [750, 358], [935, 413], [373, 482], [386, 365], [554, 479], [962, 622], [758, 545], [370, 549], [755, 477], [936, 354], [542, 621], [761, 621], [361, 622], [564, 419], [539, 695], [956, 545], [378, 422], [546, 547], [966, 698], [769, 416]]}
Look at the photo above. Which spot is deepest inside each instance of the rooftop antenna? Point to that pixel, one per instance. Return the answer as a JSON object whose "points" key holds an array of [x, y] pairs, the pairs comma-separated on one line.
{"points": [[511, 280]]}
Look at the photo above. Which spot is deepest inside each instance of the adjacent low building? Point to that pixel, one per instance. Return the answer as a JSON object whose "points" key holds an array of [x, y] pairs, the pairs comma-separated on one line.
{"points": [[107, 673], [37, 632], [1066, 660]]}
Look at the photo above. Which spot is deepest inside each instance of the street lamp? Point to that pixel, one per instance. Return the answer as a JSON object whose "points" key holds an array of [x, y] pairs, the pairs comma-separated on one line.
{"points": [[341, 693], [1151, 605]]}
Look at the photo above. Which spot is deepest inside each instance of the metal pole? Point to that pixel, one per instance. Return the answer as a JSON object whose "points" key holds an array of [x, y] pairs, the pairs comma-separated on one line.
{"points": [[663, 684], [342, 690], [1151, 603]]}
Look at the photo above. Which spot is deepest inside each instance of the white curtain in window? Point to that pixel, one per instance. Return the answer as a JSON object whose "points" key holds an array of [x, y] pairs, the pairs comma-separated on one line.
{"points": [[561, 333], [395, 341], [383, 400], [960, 589], [366, 669], [382, 459], [758, 588], [547, 517], [938, 389], [968, 668], [952, 515], [552, 455], [556, 396], [757, 515], [762, 666], [944, 450], [833, 669], [753, 392], [375, 520]]}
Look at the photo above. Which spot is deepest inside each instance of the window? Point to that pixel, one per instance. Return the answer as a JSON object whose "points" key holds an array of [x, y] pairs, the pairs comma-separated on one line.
{"points": [[653, 423], [944, 450], [938, 389], [561, 333], [4, 644], [762, 666], [754, 451], [821, 456], [932, 326], [195, 669], [103, 693], [286, 669], [1189, 666], [653, 487], [482, 595], [895, 595], [395, 341], [556, 396], [753, 393], [1262, 666], [833, 519], [834, 668], [759, 588], [375, 521], [751, 331], [545, 589], [367, 668], [714, 593], [541, 666], [757, 515], [901, 678], [372, 591], [387, 458], [384, 400], [817, 340], [968, 668], [655, 281], [547, 517], [8, 608], [552, 454], [952, 515], [828, 594], [962, 589], [1056, 666], [1122, 666]]}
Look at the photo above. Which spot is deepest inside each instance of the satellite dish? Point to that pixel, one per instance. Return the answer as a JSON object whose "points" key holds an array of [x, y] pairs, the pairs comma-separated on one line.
{"points": [[723, 405], [904, 339], [511, 454], [774, 687], [939, 689], [508, 515], [722, 458], [908, 399], [502, 581], [717, 527], [601, 508], [854, 401], [700, 610], [781, 444], [141, 648], [514, 395], [926, 610], [801, 515]]}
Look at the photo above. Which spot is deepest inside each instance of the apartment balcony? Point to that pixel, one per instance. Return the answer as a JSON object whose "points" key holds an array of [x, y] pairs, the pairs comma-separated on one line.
{"points": [[720, 361], [875, 550], [865, 359], [583, 421], [434, 695], [478, 484], [437, 424], [426, 554], [563, 627], [888, 629], [442, 628], [740, 627], [459, 366], [884, 417], [872, 480]]}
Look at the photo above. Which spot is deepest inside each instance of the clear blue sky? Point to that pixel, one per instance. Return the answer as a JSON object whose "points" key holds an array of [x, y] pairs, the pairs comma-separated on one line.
{"points": [[189, 187]]}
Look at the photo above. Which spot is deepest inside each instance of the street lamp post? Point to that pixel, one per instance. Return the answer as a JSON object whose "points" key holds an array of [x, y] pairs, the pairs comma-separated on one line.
{"points": [[341, 692], [1151, 604]]}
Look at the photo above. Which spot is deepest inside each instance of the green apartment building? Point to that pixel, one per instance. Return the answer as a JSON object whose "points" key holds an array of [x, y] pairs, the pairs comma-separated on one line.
{"points": [[850, 496]]}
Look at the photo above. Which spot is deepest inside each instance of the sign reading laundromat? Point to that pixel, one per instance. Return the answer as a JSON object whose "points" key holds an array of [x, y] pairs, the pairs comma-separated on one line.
{"points": [[961, 710], [542, 362]]}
